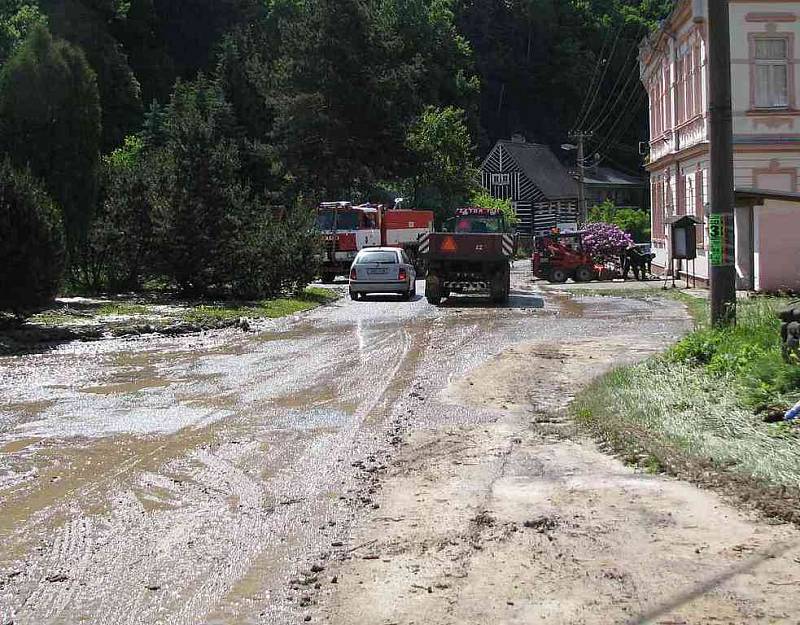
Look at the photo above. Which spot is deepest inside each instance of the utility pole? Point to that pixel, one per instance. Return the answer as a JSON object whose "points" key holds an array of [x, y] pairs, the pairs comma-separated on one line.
{"points": [[721, 221], [580, 137]]}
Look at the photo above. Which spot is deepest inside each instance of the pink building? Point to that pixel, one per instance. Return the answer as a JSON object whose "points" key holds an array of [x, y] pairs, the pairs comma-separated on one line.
{"points": [[766, 119]]}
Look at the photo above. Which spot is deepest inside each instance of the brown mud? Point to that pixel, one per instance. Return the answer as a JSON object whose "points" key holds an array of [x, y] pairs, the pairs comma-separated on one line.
{"points": [[524, 520], [230, 478]]}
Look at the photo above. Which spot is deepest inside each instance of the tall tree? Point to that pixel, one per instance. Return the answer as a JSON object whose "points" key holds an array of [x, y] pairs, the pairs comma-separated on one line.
{"points": [[89, 24], [356, 73], [31, 242], [444, 160], [50, 122], [17, 18]]}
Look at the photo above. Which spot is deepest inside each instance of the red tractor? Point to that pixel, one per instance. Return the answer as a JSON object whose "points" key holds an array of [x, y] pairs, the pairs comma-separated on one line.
{"points": [[559, 256]]}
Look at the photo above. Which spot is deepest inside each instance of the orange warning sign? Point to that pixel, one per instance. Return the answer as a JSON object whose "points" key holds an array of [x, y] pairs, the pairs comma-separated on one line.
{"points": [[449, 245]]}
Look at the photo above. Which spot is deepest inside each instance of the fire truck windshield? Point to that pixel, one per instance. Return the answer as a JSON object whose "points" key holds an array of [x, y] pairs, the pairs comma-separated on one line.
{"points": [[344, 220]]}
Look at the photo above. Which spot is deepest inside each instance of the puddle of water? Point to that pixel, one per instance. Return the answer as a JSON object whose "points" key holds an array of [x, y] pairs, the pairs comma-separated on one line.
{"points": [[121, 388], [18, 445], [570, 307]]}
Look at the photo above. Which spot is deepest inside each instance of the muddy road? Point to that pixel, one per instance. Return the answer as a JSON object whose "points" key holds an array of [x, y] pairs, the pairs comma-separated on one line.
{"points": [[344, 467]]}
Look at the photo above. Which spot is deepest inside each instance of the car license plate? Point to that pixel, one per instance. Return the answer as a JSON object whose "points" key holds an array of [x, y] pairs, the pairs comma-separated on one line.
{"points": [[376, 272]]}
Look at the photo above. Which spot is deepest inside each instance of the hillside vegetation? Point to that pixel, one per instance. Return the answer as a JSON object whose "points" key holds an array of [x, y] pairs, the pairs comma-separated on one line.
{"points": [[183, 141]]}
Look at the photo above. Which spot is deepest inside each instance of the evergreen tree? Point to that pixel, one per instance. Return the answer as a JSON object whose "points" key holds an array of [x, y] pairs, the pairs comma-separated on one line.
{"points": [[50, 122], [31, 242], [90, 25]]}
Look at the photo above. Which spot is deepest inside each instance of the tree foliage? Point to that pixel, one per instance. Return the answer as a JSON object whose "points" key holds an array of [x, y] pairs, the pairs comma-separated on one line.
{"points": [[31, 242], [50, 122], [444, 160], [635, 222], [214, 231], [484, 200], [17, 19]]}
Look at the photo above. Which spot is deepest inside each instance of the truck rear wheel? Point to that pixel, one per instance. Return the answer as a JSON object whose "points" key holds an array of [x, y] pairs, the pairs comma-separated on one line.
{"points": [[433, 291], [328, 277], [501, 286]]}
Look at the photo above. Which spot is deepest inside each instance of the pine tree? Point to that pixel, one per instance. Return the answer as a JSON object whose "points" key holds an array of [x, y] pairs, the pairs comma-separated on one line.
{"points": [[31, 242], [50, 123]]}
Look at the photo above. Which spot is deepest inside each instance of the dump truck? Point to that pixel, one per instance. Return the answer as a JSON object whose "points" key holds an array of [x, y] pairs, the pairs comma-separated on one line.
{"points": [[471, 255]]}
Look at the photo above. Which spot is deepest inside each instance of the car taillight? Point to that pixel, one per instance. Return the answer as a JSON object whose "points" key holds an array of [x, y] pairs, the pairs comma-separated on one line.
{"points": [[403, 275], [353, 273]]}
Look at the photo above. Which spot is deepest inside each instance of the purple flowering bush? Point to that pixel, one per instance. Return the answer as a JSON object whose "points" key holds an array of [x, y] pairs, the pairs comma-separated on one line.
{"points": [[603, 240]]}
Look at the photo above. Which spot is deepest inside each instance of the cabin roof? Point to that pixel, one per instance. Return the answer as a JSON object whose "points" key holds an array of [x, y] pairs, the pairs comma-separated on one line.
{"points": [[541, 167]]}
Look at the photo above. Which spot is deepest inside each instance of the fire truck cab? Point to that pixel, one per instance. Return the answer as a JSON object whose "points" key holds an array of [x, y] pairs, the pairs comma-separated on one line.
{"points": [[346, 229]]}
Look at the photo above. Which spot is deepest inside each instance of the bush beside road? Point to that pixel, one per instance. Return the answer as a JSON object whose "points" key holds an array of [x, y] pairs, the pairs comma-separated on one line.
{"points": [[710, 410]]}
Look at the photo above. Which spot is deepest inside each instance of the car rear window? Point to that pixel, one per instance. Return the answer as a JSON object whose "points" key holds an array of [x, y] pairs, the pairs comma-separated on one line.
{"points": [[382, 258]]}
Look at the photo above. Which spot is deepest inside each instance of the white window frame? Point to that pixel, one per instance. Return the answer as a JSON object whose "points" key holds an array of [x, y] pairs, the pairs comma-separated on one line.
{"points": [[771, 99]]}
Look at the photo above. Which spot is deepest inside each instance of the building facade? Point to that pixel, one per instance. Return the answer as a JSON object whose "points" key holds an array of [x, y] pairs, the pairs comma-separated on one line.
{"points": [[540, 188], [766, 125]]}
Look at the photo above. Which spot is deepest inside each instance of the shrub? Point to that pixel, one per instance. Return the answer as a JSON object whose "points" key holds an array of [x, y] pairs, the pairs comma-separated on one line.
{"points": [[634, 221], [748, 355], [31, 242], [214, 232], [118, 251], [604, 240]]}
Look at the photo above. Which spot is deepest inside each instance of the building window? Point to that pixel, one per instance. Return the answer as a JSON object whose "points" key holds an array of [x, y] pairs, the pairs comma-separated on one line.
{"points": [[771, 72], [501, 180]]}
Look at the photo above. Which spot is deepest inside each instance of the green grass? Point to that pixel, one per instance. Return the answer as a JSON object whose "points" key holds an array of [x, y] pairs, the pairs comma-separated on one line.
{"points": [[747, 356], [123, 309], [310, 298], [697, 410], [53, 318]]}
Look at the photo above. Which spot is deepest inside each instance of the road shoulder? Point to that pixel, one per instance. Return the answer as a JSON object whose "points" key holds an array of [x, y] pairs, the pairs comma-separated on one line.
{"points": [[525, 520]]}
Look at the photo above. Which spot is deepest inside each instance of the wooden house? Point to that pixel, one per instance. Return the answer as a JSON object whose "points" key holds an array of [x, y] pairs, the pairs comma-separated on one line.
{"points": [[540, 188]]}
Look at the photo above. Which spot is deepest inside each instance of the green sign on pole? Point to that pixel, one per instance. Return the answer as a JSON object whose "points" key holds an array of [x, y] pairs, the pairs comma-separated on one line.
{"points": [[720, 249], [716, 245]]}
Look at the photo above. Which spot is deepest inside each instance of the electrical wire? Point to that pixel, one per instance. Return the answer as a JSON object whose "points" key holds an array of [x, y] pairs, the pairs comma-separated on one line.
{"points": [[609, 108], [596, 89], [628, 116]]}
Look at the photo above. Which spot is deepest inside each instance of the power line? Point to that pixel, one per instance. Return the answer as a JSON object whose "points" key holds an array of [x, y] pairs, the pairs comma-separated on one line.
{"points": [[582, 119], [627, 115], [608, 109], [595, 75]]}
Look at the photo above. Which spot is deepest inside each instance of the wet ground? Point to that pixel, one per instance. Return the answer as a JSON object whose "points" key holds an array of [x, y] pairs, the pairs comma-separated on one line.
{"points": [[199, 479]]}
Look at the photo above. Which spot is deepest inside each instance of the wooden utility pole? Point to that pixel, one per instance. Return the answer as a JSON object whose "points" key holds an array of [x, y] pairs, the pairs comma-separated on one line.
{"points": [[580, 137], [721, 221]]}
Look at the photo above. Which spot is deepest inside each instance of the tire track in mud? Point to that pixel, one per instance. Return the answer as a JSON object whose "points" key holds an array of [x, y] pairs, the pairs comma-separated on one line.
{"points": [[109, 559]]}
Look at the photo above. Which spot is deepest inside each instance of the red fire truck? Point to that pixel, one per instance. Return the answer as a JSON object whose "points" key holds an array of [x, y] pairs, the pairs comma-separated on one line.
{"points": [[347, 229]]}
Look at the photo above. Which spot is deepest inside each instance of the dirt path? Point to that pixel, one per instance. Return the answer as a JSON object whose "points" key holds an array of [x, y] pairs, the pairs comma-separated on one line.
{"points": [[523, 520], [228, 478]]}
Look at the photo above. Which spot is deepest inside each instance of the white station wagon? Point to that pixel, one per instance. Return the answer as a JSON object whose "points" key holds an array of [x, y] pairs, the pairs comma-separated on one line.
{"points": [[382, 270]]}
